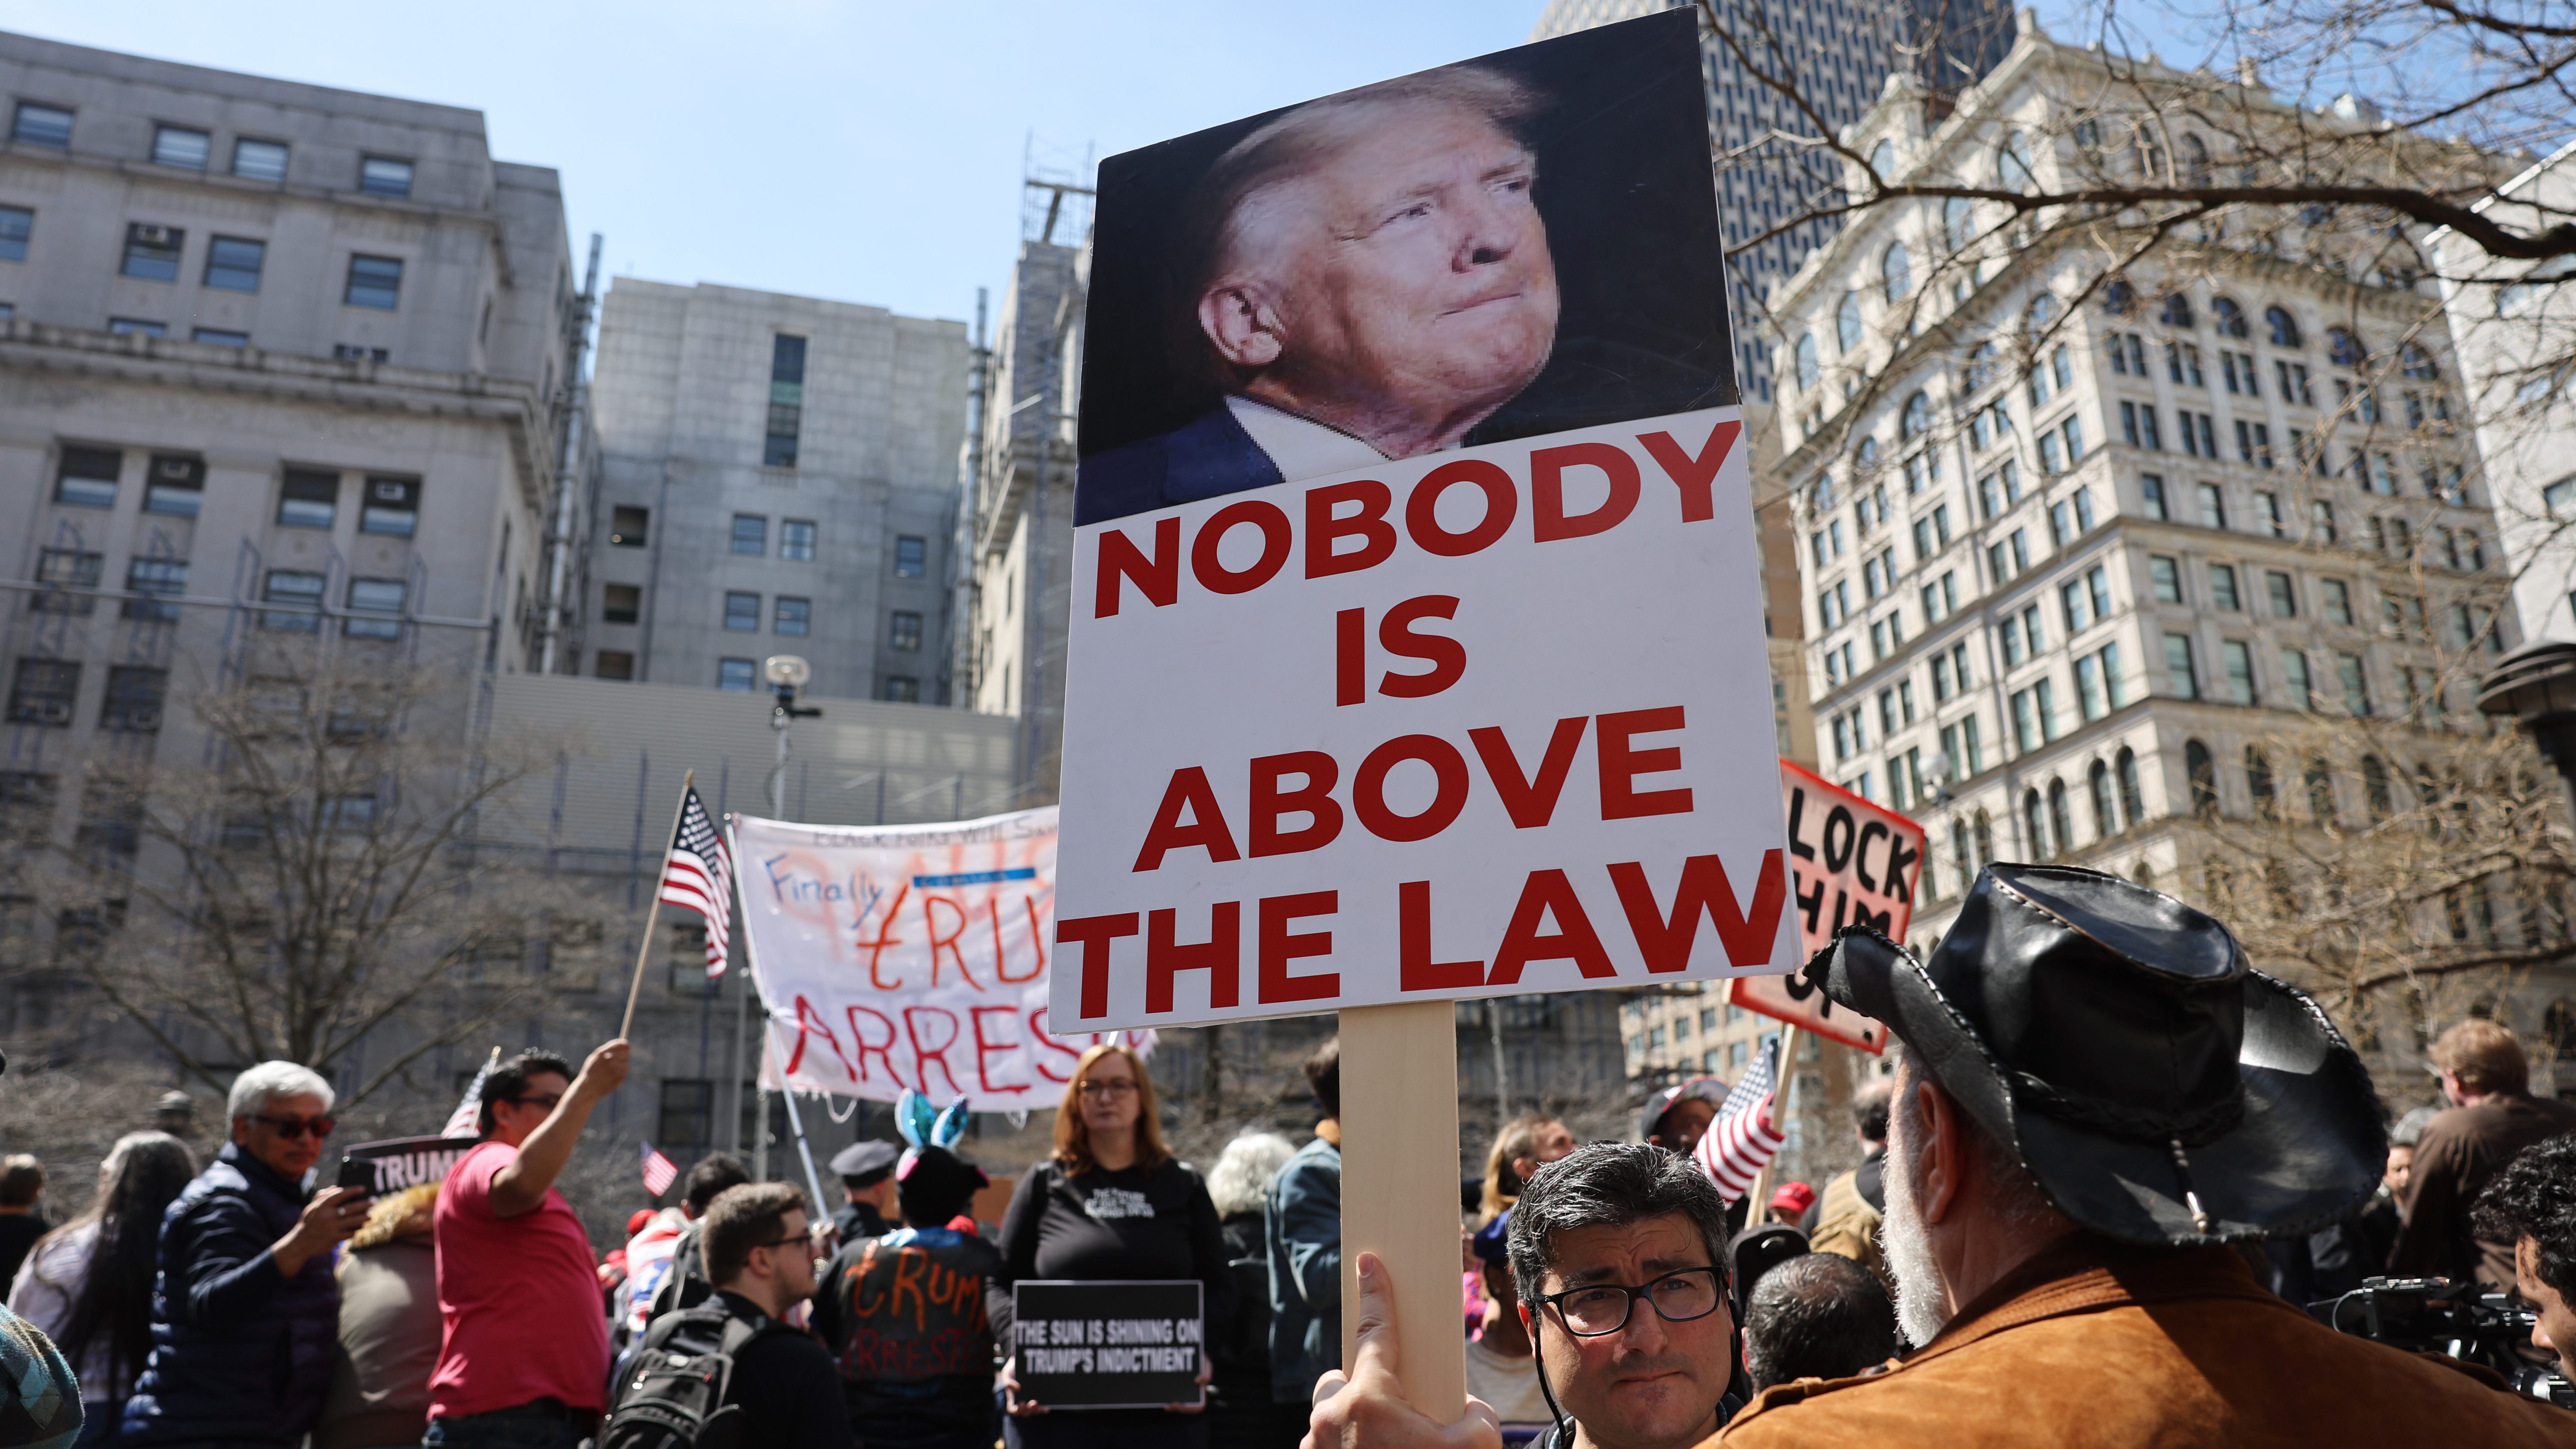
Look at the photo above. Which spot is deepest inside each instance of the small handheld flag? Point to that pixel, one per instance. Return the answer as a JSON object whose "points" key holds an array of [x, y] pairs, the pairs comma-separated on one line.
{"points": [[467, 1119], [699, 875], [659, 1172], [1737, 1145]]}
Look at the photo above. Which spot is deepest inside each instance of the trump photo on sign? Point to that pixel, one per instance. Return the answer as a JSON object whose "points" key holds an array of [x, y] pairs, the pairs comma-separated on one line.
{"points": [[1493, 250]]}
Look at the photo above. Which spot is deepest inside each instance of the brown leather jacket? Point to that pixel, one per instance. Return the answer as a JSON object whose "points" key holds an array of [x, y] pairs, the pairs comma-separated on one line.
{"points": [[2095, 1343]]}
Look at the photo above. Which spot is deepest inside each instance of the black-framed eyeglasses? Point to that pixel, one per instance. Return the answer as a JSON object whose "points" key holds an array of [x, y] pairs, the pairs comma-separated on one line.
{"points": [[1603, 1308], [291, 1128], [1111, 1088], [537, 1099]]}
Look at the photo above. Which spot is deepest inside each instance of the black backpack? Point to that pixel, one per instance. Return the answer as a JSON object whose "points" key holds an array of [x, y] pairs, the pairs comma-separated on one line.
{"points": [[671, 1394]]}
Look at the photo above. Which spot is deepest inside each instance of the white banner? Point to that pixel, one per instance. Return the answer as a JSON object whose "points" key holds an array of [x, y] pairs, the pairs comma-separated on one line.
{"points": [[910, 956], [1481, 722]]}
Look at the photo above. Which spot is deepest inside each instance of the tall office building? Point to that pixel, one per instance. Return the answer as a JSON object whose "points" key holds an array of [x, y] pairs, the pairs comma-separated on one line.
{"points": [[1845, 51], [778, 476], [282, 371]]}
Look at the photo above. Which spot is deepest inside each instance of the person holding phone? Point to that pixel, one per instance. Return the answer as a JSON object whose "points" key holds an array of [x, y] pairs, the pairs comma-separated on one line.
{"points": [[1110, 1203], [246, 1316]]}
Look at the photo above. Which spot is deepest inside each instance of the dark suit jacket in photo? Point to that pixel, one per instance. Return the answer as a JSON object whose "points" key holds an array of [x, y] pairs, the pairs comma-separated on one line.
{"points": [[1209, 458]]}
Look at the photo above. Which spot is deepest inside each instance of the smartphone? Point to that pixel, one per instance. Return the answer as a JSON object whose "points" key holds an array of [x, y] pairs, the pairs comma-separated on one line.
{"points": [[358, 1172]]}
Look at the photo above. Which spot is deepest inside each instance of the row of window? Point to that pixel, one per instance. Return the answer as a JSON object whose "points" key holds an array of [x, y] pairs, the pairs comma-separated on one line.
{"points": [[2462, 549], [175, 484], [630, 526], [374, 606], [45, 691], [188, 148], [789, 615]]}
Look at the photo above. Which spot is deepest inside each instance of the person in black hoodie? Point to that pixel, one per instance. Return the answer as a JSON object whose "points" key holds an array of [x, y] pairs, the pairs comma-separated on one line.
{"points": [[245, 1313], [1111, 1203]]}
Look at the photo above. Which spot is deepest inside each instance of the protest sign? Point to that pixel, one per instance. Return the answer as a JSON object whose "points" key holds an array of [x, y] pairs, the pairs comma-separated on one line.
{"points": [[1850, 863], [400, 1162], [1416, 646], [1422, 660], [909, 956], [1107, 1344]]}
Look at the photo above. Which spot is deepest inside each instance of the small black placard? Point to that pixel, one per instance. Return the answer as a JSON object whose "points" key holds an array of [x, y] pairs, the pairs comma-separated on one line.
{"points": [[1108, 1345], [401, 1162]]}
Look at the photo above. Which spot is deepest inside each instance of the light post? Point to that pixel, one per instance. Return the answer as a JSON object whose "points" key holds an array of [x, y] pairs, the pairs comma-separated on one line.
{"points": [[2536, 685], [787, 673]]}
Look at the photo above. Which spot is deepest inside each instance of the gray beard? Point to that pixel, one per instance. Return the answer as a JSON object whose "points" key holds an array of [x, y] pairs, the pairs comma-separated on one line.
{"points": [[1922, 1302]]}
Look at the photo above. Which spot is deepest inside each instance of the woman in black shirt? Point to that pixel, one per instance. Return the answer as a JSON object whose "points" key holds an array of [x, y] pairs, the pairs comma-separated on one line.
{"points": [[1111, 1203]]}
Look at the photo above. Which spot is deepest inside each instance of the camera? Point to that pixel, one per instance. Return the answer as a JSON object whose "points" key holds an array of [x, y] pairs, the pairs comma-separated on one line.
{"points": [[2466, 1321]]}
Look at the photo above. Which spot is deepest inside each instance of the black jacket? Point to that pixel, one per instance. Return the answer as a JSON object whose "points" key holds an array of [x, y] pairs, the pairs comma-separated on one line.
{"points": [[240, 1353]]}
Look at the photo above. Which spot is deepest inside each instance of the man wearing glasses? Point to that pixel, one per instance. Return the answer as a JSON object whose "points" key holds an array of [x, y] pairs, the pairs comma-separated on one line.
{"points": [[524, 1362], [247, 1315], [1622, 1243]]}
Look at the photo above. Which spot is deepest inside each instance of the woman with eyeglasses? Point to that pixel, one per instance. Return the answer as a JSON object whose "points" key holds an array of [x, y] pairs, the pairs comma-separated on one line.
{"points": [[1110, 1203], [246, 1318], [88, 1283]]}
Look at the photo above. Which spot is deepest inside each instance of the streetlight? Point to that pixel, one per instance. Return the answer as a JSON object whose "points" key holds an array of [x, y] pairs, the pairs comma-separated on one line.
{"points": [[2536, 684], [787, 673]]}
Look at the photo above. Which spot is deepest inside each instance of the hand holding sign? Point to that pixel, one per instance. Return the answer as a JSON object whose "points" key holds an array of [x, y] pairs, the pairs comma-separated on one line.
{"points": [[1367, 1406]]}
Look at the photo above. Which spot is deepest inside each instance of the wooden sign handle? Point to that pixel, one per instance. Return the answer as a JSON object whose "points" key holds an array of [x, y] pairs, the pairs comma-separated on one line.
{"points": [[1400, 1190]]}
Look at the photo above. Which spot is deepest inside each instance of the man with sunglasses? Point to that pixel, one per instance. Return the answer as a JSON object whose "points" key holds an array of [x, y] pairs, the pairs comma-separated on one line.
{"points": [[246, 1315], [524, 1360], [1621, 1246]]}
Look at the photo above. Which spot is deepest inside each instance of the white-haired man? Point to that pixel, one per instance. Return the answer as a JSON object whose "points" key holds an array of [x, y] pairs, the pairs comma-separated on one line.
{"points": [[1367, 277], [246, 1316]]}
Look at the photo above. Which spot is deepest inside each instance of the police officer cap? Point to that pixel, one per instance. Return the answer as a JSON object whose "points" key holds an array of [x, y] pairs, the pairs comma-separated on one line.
{"points": [[866, 1159]]}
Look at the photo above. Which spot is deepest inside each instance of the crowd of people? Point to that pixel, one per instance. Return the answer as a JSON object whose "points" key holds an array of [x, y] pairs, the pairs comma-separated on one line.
{"points": [[2080, 1215]]}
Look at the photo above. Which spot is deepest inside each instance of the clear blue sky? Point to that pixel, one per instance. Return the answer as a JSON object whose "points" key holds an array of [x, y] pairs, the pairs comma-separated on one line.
{"points": [[853, 149]]}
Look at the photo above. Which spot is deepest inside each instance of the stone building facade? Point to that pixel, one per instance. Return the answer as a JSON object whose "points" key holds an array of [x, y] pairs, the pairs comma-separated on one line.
{"points": [[778, 476]]}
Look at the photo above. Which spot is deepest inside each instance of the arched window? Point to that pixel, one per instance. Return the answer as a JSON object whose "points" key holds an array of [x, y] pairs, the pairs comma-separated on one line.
{"points": [[2320, 783], [2195, 161], [2344, 349], [2374, 786], [2012, 164], [2043, 311], [2119, 298], [1847, 323], [1985, 838], [2106, 812], [2133, 801], [1882, 159], [1824, 493], [1896, 272], [2061, 822], [2203, 773], [2036, 824], [1958, 223], [2258, 781], [1866, 456], [2415, 362], [1917, 417], [1808, 371], [2229, 317], [2177, 310], [1982, 365], [2285, 328]]}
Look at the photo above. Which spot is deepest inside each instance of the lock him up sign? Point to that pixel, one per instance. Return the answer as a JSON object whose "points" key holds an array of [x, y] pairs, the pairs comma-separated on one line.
{"points": [[1851, 863]]}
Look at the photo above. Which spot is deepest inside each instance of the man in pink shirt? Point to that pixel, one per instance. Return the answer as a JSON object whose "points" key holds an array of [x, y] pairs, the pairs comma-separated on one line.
{"points": [[523, 1363]]}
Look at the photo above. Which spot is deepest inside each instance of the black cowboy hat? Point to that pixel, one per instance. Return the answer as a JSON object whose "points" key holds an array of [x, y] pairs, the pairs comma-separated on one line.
{"points": [[2158, 1088]]}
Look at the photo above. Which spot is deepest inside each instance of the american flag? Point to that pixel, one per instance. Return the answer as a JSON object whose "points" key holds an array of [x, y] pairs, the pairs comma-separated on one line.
{"points": [[659, 1173], [700, 876], [467, 1119], [1742, 1139]]}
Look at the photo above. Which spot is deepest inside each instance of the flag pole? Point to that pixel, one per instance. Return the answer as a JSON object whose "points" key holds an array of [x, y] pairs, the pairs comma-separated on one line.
{"points": [[653, 912], [1784, 1096]]}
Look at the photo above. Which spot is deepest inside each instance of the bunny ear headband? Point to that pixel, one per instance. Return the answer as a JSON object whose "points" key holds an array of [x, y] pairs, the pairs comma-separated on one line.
{"points": [[923, 1126]]}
